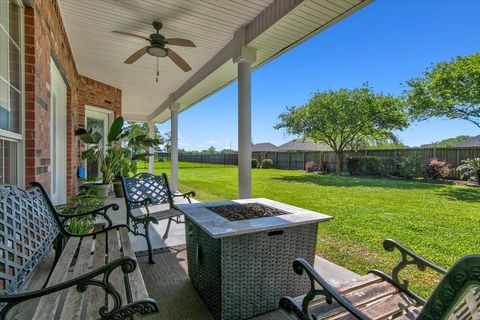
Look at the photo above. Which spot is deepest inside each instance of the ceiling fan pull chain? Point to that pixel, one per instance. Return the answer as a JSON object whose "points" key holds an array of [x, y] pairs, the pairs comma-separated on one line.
{"points": [[158, 73]]}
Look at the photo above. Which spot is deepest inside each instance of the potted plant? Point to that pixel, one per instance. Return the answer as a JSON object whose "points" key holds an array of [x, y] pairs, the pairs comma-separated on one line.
{"points": [[114, 156]]}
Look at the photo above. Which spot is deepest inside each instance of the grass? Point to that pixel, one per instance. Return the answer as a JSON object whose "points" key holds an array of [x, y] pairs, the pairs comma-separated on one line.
{"points": [[439, 222]]}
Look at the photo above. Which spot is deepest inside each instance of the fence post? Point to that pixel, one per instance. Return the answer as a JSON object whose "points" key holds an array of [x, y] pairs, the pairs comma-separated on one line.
{"points": [[289, 160], [276, 160]]}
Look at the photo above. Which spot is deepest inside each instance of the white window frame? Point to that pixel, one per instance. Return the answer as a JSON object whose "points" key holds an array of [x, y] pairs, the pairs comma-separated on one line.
{"points": [[12, 136]]}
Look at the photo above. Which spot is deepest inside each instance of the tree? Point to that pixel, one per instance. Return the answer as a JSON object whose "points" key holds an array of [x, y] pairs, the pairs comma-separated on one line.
{"points": [[448, 89], [383, 144], [210, 150], [345, 118], [140, 129], [448, 142]]}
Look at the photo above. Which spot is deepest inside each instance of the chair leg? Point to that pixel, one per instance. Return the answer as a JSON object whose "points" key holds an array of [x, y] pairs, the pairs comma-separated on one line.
{"points": [[149, 244], [165, 236]]}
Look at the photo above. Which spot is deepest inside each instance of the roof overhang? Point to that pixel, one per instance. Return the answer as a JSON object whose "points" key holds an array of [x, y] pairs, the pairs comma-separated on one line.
{"points": [[270, 27]]}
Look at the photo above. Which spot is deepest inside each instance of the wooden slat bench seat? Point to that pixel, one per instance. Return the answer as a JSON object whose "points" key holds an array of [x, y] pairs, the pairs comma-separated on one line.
{"points": [[94, 275], [378, 295]]}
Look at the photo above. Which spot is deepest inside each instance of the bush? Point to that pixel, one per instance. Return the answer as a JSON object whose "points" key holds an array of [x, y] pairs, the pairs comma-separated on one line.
{"points": [[437, 169], [365, 166], [267, 164], [309, 166], [324, 166], [254, 163], [410, 166], [471, 169]]}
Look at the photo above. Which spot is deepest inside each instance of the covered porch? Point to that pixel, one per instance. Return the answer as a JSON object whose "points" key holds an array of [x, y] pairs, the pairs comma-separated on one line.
{"points": [[231, 40]]}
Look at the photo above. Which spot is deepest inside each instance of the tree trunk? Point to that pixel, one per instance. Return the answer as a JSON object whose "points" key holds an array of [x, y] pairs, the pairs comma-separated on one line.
{"points": [[339, 166]]}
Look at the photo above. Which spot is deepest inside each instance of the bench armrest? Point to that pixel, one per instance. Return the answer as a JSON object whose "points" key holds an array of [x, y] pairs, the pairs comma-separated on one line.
{"points": [[408, 257], [290, 305], [98, 211], [186, 195], [127, 265]]}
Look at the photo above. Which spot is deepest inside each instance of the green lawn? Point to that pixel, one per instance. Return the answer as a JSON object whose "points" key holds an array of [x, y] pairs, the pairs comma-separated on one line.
{"points": [[440, 222]]}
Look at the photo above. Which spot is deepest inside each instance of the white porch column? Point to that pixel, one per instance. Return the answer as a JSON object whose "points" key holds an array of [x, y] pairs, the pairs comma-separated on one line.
{"points": [[151, 159], [244, 62], [174, 146]]}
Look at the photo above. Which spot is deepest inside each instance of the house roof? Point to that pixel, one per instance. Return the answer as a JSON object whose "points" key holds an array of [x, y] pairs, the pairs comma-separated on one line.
{"points": [[264, 147], [219, 29], [303, 145], [470, 142]]}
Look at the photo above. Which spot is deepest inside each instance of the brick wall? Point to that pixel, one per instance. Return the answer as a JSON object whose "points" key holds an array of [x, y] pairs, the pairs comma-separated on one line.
{"points": [[45, 37]]}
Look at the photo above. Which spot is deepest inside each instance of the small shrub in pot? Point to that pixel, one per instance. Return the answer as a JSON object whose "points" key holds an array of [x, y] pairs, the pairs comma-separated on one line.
{"points": [[267, 164], [437, 169]]}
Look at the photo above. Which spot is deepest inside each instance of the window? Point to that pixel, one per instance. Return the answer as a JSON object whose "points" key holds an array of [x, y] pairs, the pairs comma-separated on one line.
{"points": [[11, 91]]}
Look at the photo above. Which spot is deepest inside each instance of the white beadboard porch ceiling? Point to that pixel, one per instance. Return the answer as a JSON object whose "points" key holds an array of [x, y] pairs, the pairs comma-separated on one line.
{"points": [[273, 27]]}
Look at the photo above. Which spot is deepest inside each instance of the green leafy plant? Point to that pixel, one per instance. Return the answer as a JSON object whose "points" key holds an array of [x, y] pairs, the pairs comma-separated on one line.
{"points": [[86, 200], [114, 156], [267, 164], [410, 166], [364, 166], [472, 169], [254, 163]]}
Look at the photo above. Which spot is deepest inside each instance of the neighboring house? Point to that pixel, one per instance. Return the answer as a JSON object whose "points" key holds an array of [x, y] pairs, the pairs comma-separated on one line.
{"points": [[264, 147], [303, 145], [470, 142]]}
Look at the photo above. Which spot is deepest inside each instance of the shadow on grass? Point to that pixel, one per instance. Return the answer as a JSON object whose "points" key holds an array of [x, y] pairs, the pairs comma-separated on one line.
{"points": [[463, 194], [339, 181]]}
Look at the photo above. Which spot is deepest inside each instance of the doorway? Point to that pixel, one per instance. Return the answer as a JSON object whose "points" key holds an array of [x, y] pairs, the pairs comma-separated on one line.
{"points": [[58, 134], [99, 120]]}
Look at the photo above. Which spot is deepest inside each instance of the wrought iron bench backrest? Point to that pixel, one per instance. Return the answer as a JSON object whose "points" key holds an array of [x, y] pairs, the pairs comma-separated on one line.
{"points": [[146, 185], [28, 227]]}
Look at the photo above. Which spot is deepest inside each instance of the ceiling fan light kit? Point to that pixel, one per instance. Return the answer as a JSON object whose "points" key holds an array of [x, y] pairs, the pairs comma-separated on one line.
{"points": [[157, 48]]}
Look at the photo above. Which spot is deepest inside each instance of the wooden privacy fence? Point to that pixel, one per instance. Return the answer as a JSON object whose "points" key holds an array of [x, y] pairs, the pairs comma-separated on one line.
{"points": [[225, 159], [296, 160]]}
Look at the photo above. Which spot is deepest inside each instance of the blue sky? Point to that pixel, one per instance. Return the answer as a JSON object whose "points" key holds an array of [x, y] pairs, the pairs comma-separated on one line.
{"points": [[386, 43]]}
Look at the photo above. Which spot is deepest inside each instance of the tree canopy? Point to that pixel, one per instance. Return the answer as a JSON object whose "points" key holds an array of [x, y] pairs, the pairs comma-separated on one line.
{"points": [[448, 89], [345, 118]]}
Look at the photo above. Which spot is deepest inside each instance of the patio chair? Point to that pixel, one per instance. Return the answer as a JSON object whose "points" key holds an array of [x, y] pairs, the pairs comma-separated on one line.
{"points": [[145, 197], [380, 296]]}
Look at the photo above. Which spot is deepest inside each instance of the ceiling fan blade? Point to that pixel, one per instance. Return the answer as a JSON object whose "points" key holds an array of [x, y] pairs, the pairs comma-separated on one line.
{"points": [[132, 35], [179, 42], [136, 55], [178, 60]]}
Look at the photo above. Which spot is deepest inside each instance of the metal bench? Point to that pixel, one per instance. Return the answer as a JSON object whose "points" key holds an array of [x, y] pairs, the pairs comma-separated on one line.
{"points": [[144, 195], [381, 296], [94, 275]]}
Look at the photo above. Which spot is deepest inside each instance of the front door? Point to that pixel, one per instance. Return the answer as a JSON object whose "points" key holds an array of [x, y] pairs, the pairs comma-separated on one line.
{"points": [[58, 145], [99, 121]]}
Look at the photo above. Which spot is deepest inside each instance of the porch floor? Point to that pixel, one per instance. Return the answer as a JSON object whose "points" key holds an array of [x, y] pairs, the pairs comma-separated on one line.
{"points": [[167, 280]]}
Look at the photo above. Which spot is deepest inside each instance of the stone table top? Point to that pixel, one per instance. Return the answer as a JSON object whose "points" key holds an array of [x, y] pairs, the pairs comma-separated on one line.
{"points": [[218, 227]]}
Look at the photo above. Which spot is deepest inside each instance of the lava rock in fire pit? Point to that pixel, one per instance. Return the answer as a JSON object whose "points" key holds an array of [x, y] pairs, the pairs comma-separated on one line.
{"points": [[237, 212]]}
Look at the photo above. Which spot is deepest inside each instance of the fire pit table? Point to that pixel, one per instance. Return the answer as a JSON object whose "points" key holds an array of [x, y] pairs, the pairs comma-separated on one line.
{"points": [[240, 253]]}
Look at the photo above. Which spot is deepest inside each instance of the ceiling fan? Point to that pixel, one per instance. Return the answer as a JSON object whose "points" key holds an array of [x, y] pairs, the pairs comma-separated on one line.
{"points": [[157, 47]]}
